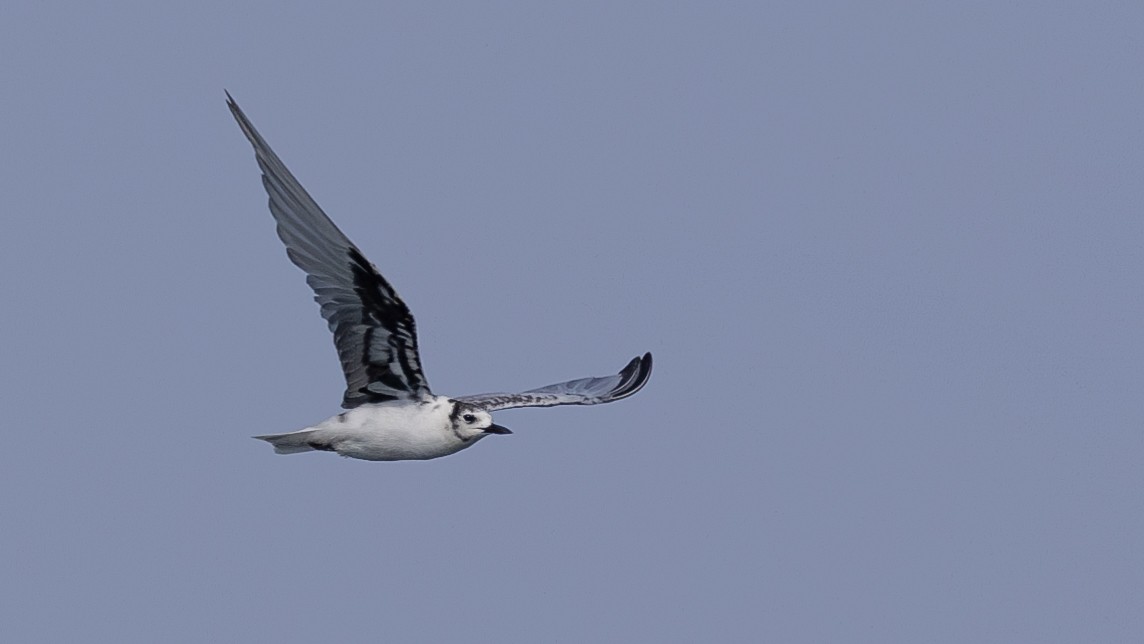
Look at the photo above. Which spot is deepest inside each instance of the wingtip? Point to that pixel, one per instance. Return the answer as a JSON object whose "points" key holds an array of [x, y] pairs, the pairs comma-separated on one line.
{"points": [[634, 376], [244, 123], [645, 368], [233, 105], [643, 363]]}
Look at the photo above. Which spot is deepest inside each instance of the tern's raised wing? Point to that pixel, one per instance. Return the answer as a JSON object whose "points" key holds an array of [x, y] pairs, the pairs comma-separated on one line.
{"points": [[373, 329], [585, 391]]}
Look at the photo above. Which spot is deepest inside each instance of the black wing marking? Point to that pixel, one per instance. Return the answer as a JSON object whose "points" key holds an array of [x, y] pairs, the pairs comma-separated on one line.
{"points": [[373, 329], [585, 391]]}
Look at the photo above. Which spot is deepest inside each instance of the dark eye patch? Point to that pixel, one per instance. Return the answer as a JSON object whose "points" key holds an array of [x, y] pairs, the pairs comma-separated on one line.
{"points": [[469, 418]]}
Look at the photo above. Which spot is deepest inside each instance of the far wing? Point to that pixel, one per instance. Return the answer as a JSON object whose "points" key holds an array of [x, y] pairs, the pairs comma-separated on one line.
{"points": [[585, 391]]}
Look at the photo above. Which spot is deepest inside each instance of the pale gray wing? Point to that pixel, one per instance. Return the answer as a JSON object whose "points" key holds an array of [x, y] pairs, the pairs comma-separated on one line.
{"points": [[585, 391], [373, 329]]}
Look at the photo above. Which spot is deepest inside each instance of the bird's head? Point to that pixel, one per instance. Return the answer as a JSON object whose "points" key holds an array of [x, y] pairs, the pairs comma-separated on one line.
{"points": [[470, 422]]}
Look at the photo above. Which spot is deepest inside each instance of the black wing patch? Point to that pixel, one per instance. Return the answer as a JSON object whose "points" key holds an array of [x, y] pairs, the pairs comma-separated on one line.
{"points": [[373, 329], [584, 391]]}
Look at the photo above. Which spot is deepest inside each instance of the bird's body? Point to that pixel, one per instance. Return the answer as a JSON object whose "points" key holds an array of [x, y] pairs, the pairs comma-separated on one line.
{"points": [[392, 431], [391, 415]]}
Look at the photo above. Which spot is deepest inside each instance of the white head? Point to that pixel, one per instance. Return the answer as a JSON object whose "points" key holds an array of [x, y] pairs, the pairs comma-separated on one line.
{"points": [[470, 422]]}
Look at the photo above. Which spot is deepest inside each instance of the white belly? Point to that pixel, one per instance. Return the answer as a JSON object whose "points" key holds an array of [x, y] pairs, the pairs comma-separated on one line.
{"points": [[392, 433]]}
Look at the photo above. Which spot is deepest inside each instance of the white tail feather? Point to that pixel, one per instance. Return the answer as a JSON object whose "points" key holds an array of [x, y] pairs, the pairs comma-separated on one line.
{"points": [[292, 443]]}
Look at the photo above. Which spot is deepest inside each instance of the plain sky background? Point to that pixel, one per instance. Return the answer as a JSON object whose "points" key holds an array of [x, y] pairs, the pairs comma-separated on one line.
{"points": [[888, 257]]}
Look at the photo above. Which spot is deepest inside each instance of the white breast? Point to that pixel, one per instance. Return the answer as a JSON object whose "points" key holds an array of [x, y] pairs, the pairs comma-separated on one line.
{"points": [[393, 431]]}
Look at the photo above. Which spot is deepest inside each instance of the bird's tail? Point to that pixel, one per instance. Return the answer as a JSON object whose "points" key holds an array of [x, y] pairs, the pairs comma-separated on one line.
{"points": [[292, 443]]}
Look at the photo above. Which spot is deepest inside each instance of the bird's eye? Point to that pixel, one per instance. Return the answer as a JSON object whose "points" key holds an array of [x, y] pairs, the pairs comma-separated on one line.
{"points": [[469, 418]]}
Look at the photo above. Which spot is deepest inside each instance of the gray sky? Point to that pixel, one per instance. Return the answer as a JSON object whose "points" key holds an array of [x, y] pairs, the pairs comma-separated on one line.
{"points": [[887, 255]]}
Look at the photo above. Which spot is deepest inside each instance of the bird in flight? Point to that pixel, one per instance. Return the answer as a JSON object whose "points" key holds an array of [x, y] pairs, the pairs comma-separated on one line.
{"points": [[390, 413]]}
